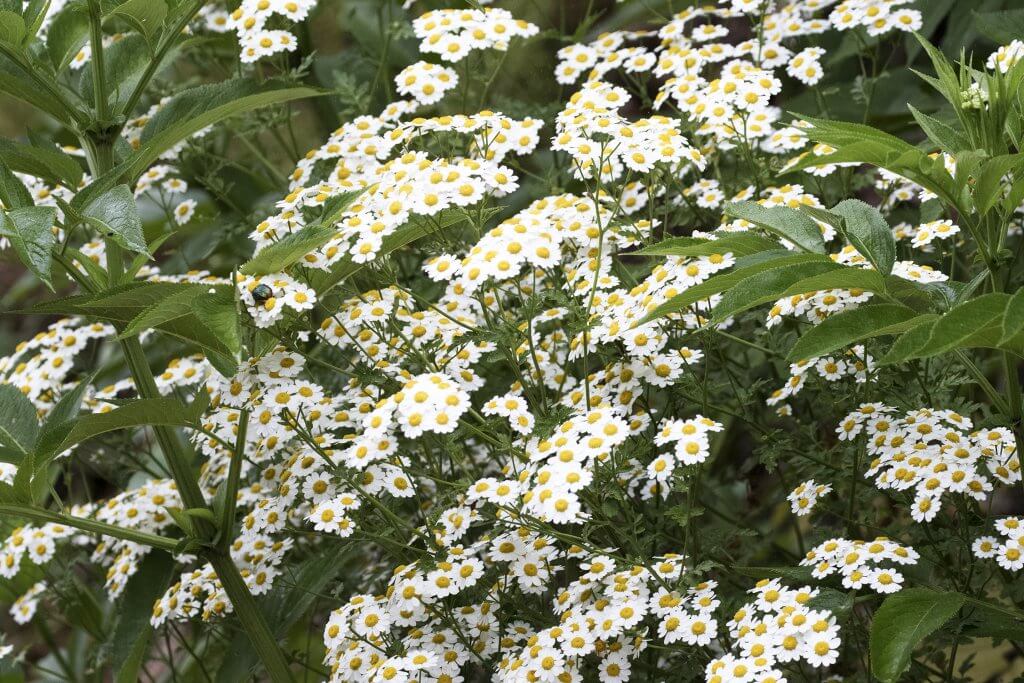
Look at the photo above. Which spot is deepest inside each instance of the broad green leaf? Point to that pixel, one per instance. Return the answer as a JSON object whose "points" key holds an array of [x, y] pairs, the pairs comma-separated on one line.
{"points": [[719, 283], [766, 287], [1001, 27], [783, 221], [168, 412], [218, 312], [12, 28], [124, 64], [13, 193], [145, 16], [291, 248], [904, 620], [988, 186], [69, 405], [976, 322], [169, 307], [115, 215], [68, 33], [849, 327], [131, 636], [907, 344], [17, 81], [945, 136], [48, 163], [1013, 317], [845, 277], [19, 425], [738, 244], [869, 233], [191, 110], [30, 231]]}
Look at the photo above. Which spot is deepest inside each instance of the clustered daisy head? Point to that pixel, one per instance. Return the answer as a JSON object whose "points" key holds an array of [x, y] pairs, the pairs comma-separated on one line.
{"points": [[860, 563], [805, 496], [931, 454], [779, 627]]}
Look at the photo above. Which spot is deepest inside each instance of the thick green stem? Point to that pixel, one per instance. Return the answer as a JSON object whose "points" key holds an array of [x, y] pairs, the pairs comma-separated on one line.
{"points": [[249, 614], [99, 77], [90, 525]]}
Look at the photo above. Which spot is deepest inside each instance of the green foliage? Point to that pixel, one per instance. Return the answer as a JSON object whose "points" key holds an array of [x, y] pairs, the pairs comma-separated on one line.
{"points": [[902, 622]]}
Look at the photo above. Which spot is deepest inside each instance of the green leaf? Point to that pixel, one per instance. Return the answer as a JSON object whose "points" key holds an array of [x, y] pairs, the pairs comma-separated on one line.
{"points": [[30, 231], [719, 283], [68, 33], [738, 244], [196, 108], [115, 215], [1013, 317], [909, 342], [170, 306], [988, 185], [783, 221], [69, 405], [48, 163], [167, 412], [131, 636], [124, 64], [976, 322], [799, 574], [17, 81], [290, 249], [769, 286], [902, 622], [12, 28], [865, 228], [35, 13], [1001, 27], [19, 426], [849, 327], [218, 312], [13, 193], [943, 135], [145, 16]]}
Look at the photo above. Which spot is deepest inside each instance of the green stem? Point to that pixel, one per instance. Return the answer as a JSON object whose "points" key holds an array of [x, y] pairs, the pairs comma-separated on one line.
{"points": [[90, 525], [227, 522], [263, 640], [99, 77]]}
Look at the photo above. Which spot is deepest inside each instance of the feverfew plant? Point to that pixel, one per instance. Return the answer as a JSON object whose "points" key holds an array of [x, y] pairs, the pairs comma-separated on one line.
{"points": [[526, 342]]}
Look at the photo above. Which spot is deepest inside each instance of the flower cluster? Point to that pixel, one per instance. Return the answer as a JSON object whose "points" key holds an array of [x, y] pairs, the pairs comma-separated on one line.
{"points": [[453, 34], [859, 563], [932, 453]]}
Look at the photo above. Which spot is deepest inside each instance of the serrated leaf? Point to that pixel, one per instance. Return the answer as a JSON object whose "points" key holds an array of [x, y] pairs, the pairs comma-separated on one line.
{"points": [[783, 221], [12, 28], [1013, 317], [944, 136], [849, 327], [769, 286], [30, 231], [115, 215], [68, 33], [976, 322], [738, 244], [988, 185], [719, 283], [47, 163], [902, 622], [909, 342], [19, 425], [167, 412], [145, 16], [868, 232], [13, 193], [290, 249]]}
